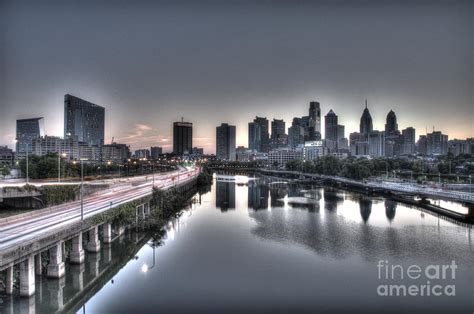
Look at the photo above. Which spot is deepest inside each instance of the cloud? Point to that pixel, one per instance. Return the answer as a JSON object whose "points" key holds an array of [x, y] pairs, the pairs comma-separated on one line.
{"points": [[144, 136]]}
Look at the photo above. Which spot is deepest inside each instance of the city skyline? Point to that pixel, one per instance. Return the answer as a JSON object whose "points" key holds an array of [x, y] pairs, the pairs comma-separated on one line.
{"points": [[330, 53]]}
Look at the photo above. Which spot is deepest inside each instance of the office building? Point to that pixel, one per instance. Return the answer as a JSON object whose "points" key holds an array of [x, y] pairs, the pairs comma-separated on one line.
{"points": [[408, 141], [437, 143], [377, 143], [359, 145], [69, 147], [456, 147], [296, 133], [142, 154], [225, 142], [83, 120], [254, 136], [281, 156], [262, 130], [391, 126], [182, 138], [26, 131], [6, 156], [115, 152], [315, 118], [313, 150], [279, 138], [197, 151], [155, 152]]}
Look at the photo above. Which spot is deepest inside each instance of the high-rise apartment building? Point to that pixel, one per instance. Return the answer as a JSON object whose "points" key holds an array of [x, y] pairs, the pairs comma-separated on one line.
{"points": [[225, 142], [182, 137]]}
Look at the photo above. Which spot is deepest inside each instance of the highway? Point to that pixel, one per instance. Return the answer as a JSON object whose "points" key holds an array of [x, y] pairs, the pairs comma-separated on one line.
{"points": [[14, 232]]}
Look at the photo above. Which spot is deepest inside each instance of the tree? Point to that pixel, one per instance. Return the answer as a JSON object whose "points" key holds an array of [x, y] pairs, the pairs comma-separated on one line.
{"points": [[5, 170]]}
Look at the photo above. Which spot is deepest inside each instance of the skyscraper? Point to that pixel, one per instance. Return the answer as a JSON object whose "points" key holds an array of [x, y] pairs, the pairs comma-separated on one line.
{"points": [[315, 116], [264, 136], [83, 120], [334, 132], [279, 137], [408, 141], [437, 143], [296, 133], [330, 126], [155, 152], [254, 136], [391, 126], [182, 137], [26, 131], [366, 122], [225, 142], [376, 144]]}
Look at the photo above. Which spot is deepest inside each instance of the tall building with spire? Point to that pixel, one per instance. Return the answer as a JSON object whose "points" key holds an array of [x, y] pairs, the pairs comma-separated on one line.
{"points": [[366, 122]]}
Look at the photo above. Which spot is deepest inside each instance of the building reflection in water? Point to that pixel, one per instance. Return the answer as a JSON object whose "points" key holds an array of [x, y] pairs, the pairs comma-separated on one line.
{"points": [[332, 199], [365, 205], [390, 209], [225, 195], [258, 194]]}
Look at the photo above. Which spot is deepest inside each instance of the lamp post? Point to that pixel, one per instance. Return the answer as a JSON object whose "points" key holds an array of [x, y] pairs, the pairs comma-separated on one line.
{"points": [[82, 190], [59, 165], [27, 175], [470, 184]]}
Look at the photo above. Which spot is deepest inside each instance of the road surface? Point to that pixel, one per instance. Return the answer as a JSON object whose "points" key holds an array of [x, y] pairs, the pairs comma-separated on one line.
{"points": [[14, 232]]}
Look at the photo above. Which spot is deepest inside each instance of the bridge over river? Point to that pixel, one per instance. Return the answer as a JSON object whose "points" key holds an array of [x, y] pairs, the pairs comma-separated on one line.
{"points": [[24, 237]]}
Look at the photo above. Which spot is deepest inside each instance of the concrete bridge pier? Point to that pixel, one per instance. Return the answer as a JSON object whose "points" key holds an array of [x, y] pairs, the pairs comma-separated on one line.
{"points": [[107, 233], [9, 280], [78, 276], [93, 245], [27, 277], [38, 264], [56, 268], [77, 253]]}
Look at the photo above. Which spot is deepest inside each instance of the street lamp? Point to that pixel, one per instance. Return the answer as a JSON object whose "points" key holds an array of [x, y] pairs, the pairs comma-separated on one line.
{"points": [[59, 165], [82, 189]]}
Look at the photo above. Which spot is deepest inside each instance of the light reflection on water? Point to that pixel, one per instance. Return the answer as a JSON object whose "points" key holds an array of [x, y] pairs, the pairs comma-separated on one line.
{"points": [[260, 247]]}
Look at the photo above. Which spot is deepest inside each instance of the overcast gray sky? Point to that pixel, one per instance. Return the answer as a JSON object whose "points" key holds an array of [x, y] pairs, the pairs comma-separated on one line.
{"points": [[151, 62]]}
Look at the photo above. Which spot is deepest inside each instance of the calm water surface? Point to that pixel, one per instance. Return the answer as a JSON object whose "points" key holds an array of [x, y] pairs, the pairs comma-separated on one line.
{"points": [[270, 247]]}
